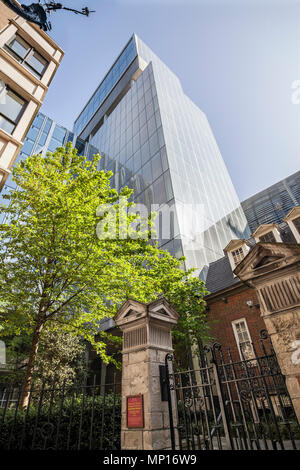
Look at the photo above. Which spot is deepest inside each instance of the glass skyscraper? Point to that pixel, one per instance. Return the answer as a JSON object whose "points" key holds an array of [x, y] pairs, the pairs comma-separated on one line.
{"points": [[272, 204], [44, 135], [158, 142]]}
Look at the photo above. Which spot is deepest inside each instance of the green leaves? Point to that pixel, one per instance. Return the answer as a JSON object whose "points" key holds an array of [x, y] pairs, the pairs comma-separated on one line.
{"points": [[54, 266]]}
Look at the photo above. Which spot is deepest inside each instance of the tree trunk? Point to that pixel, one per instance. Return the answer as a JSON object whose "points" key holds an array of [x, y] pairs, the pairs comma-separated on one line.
{"points": [[30, 366]]}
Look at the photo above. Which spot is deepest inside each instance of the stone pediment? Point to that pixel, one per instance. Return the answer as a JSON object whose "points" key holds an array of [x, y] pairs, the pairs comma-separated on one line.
{"points": [[133, 310], [267, 257], [235, 243], [264, 228], [294, 212], [146, 325]]}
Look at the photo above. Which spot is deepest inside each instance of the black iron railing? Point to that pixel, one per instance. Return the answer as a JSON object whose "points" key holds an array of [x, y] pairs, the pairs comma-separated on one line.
{"points": [[77, 417], [229, 404]]}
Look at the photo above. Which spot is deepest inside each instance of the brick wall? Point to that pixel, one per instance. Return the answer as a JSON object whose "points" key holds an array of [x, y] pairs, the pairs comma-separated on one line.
{"points": [[5, 14], [221, 314]]}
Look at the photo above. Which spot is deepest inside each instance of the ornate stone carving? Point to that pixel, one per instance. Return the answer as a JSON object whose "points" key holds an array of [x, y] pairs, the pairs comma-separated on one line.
{"points": [[286, 328]]}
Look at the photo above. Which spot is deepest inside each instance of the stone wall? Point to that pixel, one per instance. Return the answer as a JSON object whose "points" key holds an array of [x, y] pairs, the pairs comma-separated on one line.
{"points": [[141, 376]]}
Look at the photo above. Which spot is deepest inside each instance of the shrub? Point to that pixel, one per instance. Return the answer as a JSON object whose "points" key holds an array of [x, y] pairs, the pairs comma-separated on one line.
{"points": [[85, 423]]}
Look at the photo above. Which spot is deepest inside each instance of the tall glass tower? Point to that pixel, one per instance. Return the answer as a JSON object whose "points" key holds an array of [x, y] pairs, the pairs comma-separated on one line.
{"points": [[158, 142], [44, 135]]}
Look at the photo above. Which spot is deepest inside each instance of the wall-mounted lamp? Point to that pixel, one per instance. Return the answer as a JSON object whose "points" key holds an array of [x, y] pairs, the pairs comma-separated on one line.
{"points": [[249, 303], [225, 300]]}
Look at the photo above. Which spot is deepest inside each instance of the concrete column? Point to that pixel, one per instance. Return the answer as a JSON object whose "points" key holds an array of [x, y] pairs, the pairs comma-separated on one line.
{"points": [[146, 341], [273, 270]]}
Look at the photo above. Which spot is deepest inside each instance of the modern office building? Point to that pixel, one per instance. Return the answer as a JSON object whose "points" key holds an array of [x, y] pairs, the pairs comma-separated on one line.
{"points": [[29, 59], [273, 203], [44, 135], [157, 141]]}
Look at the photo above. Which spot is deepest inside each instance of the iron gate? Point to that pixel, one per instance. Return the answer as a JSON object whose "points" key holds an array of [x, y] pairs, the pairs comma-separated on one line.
{"points": [[228, 404]]}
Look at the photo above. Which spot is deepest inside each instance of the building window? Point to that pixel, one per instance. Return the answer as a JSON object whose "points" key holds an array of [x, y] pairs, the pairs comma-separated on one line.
{"points": [[296, 223], [237, 255], [243, 340], [27, 55], [268, 237], [12, 107]]}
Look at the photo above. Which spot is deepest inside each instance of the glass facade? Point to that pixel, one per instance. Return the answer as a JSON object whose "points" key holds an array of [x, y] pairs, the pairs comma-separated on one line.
{"points": [[272, 204], [44, 135], [110, 80], [157, 141]]}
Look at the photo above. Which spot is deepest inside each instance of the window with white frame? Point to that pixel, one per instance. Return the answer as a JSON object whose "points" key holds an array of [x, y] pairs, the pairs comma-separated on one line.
{"points": [[237, 255], [243, 339]]}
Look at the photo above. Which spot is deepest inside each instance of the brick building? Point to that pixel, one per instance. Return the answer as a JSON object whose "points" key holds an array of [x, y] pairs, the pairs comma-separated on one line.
{"points": [[233, 309]]}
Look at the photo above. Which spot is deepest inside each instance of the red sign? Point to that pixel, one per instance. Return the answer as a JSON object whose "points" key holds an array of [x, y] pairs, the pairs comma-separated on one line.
{"points": [[135, 412]]}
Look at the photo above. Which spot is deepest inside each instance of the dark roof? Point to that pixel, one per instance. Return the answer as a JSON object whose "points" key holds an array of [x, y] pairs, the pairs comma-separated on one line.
{"points": [[220, 275]]}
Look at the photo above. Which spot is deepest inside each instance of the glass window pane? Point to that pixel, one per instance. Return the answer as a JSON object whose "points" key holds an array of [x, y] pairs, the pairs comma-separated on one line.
{"points": [[59, 134], [39, 121], [19, 46], [6, 125], [37, 62], [27, 147], [12, 105], [43, 138], [156, 166]]}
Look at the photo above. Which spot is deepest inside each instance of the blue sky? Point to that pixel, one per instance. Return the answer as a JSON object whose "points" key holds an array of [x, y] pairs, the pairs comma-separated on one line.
{"points": [[236, 59]]}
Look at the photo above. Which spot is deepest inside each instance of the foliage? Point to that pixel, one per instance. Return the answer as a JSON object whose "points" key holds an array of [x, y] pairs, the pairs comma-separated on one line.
{"points": [[61, 356], [188, 300], [42, 429], [57, 271]]}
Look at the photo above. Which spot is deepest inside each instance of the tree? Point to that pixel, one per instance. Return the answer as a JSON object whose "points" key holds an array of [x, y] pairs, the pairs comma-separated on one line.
{"points": [[57, 270], [61, 358]]}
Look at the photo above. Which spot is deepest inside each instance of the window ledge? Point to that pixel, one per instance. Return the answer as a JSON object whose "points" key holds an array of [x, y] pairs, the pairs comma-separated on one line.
{"points": [[7, 56], [10, 138]]}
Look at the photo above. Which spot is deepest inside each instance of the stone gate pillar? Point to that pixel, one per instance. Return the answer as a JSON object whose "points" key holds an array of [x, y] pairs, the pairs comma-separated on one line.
{"points": [[146, 341], [273, 269]]}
